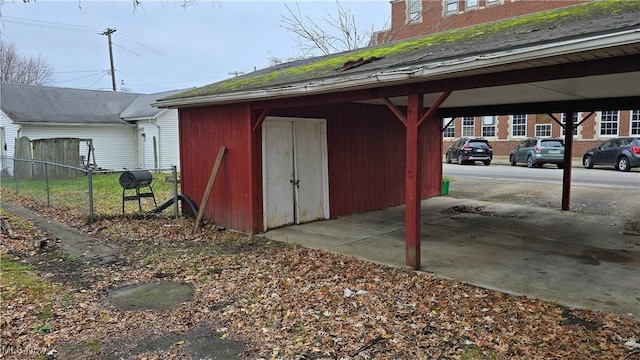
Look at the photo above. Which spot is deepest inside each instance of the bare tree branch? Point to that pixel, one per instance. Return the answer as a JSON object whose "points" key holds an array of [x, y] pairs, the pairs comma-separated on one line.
{"points": [[19, 69], [314, 38]]}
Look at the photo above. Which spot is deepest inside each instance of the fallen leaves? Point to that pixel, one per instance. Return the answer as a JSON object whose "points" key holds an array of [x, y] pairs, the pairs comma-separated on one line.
{"points": [[284, 302]]}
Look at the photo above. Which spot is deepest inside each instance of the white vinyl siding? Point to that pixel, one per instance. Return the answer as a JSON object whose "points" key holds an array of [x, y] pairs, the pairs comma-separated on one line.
{"points": [[169, 147], [115, 146]]}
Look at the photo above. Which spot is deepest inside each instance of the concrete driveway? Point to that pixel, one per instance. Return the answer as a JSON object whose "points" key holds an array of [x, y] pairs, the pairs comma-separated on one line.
{"points": [[573, 258]]}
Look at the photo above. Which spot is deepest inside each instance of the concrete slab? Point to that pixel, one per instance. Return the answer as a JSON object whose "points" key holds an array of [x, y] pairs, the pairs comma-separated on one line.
{"points": [[71, 240], [574, 259]]}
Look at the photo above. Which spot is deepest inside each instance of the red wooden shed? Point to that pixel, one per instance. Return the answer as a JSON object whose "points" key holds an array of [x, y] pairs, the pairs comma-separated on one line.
{"points": [[358, 131]]}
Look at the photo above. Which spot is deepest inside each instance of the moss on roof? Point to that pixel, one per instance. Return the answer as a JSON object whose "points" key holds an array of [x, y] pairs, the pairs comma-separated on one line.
{"points": [[327, 66]]}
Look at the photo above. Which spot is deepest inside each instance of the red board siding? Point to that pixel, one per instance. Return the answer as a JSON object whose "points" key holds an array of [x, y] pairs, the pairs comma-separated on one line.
{"points": [[203, 131], [366, 156]]}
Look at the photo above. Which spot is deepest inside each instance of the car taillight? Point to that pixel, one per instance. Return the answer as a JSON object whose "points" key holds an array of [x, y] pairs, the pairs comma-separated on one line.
{"points": [[537, 149], [635, 150], [490, 148], [466, 147]]}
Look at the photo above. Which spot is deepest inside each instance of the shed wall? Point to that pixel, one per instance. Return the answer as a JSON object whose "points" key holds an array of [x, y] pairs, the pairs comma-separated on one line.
{"points": [[203, 131], [366, 155]]}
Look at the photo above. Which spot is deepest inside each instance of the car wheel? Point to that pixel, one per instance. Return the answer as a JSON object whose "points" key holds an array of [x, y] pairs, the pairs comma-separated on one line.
{"points": [[512, 160], [530, 163], [623, 164], [459, 159], [560, 166], [587, 162], [487, 163], [447, 158]]}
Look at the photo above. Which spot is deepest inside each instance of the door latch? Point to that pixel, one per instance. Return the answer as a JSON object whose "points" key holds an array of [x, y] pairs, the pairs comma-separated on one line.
{"points": [[295, 183]]}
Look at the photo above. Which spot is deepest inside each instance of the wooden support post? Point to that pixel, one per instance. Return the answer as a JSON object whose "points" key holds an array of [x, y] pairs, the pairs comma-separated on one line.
{"points": [[566, 170], [205, 197], [413, 181]]}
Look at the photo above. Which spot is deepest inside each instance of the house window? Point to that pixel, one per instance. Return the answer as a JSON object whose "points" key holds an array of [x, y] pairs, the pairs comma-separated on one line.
{"points": [[519, 126], [414, 11], [471, 4], [609, 123], [575, 123], [449, 131], [468, 126], [488, 126], [543, 130], [635, 122], [492, 2], [450, 7]]}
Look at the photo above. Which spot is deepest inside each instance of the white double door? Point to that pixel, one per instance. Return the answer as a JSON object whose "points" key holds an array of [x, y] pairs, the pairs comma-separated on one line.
{"points": [[295, 180]]}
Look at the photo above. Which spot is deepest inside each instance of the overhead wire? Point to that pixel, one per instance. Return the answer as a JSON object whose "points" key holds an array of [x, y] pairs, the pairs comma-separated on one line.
{"points": [[97, 31]]}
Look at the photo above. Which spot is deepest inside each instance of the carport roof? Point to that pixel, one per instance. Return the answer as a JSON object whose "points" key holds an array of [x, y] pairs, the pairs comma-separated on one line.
{"points": [[591, 31]]}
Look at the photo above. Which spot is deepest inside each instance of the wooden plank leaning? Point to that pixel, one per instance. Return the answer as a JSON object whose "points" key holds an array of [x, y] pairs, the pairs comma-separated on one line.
{"points": [[205, 197]]}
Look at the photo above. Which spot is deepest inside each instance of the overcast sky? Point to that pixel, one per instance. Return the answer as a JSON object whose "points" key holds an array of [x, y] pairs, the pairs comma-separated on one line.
{"points": [[159, 45]]}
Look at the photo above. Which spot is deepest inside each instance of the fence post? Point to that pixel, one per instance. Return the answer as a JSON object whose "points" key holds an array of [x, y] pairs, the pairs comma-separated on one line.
{"points": [[15, 177], [46, 181], [90, 179], [175, 191]]}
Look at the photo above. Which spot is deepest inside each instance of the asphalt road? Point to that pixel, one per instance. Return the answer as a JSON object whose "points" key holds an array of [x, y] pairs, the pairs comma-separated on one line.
{"points": [[597, 177]]}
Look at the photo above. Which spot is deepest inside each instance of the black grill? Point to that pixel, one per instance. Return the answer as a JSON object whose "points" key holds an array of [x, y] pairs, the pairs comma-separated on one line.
{"points": [[135, 179]]}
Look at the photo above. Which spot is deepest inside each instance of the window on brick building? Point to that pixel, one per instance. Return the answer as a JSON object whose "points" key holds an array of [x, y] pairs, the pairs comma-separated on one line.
{"points": [[414, 11], [488, 126], [635, 122], [519, 125], [609, 123], [449, 131], [543, 130], [575, 123], [450, 7], [468, 126], [492, 2], [471, 4]]}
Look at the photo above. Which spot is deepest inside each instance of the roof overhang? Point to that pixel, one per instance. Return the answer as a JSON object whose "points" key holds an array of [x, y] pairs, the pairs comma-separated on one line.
{"points": [[469, 77]]}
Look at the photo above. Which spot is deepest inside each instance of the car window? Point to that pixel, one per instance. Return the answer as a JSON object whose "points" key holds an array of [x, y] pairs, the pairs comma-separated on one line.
{"points": [[607, 144], [635, 142], [526, 143], [551, 143], [478, 144]]}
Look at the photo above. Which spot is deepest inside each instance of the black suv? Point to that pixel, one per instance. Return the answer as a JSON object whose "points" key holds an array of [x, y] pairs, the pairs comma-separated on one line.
{"points": [[470, 150]]}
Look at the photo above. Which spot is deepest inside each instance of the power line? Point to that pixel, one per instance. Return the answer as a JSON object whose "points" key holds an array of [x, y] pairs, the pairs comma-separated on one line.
{"points": [[50, 25]]}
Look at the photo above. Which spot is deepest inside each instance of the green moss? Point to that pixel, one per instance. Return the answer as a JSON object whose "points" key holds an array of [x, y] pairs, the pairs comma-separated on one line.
{"points": [[327, 65]]}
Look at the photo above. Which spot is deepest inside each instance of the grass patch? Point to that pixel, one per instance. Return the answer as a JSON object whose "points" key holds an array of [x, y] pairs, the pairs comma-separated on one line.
{"points": [[74, 193], [473, 352], [19, 278]]}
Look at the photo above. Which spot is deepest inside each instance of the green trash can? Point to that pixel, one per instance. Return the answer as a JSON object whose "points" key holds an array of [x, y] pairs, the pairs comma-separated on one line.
{"points": [[445, 187]]}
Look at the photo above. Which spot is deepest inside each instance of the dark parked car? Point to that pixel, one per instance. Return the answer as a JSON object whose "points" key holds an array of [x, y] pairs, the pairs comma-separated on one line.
{"points": [[470, 150], [536, 152], [621, 153]]}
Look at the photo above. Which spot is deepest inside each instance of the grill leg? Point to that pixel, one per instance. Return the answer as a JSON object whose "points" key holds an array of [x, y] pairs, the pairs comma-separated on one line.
{"points": [[139, 202]]}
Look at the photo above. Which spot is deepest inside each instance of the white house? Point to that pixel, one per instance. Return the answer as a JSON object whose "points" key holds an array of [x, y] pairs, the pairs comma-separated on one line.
{"points": [[125, 130]]}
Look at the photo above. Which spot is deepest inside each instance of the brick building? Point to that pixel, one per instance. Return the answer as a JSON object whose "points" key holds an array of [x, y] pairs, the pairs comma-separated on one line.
{"points": [[412, 18]]}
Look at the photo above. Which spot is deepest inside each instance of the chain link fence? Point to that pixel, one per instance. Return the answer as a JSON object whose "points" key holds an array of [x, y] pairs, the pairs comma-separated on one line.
{"points": [[93, 192]]}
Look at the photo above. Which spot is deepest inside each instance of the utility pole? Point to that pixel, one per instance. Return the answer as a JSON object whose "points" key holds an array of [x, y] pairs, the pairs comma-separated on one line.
{"points": [[108, 32]]}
